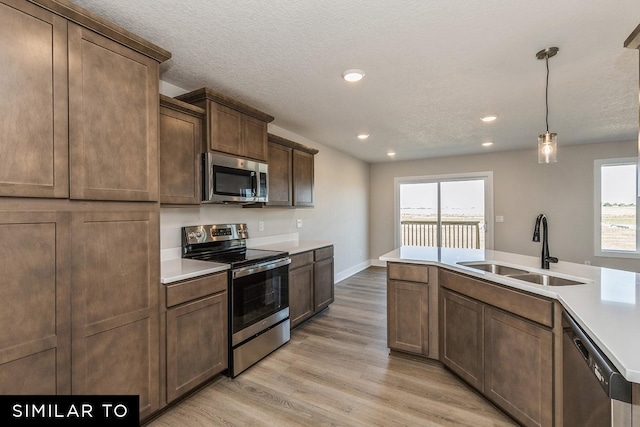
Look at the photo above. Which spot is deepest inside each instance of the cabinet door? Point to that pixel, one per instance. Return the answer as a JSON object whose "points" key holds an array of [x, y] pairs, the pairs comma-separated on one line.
{"points": [[33, 105], [408, 316], [300, 294], [254, 138], [34, 321], [180, 148], [115, 270], [196, 343], [461, 343], [225, 129], [113, 120], [302, 179], [323, 283], [519, 367], [280, 185]]}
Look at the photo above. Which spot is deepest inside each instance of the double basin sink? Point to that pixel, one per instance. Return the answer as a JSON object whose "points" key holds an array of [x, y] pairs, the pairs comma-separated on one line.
{"points": [[525, 275]]}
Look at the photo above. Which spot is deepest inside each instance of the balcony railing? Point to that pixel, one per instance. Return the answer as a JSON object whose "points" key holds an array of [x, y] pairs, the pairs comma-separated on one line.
{"points": [[455, 234]]}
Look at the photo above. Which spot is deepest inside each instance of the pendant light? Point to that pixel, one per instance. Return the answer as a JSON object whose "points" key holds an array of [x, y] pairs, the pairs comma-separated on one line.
{"points": [[547, 142]]}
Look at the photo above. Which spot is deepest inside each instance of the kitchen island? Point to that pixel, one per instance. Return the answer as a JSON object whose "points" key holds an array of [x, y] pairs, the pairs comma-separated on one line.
{"points": [[496, 329]]}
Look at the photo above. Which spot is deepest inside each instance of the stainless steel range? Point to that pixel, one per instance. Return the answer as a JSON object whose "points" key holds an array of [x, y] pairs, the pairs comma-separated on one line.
{"points": [[258, 290]]}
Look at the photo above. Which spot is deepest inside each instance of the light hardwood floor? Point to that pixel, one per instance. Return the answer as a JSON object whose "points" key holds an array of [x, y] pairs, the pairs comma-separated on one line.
{"points": [[337, 371]]}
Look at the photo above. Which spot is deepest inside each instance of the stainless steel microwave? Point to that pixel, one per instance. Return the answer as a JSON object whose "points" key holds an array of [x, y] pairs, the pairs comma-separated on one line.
{"points": [[229, 179]]}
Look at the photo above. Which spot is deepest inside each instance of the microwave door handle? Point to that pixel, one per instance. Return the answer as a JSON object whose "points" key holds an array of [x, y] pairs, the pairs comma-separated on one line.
{"points": [[254, 184]]}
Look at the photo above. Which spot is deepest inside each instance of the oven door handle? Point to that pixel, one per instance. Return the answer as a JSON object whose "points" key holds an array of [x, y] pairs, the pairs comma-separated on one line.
{"points": [[265, 266]]}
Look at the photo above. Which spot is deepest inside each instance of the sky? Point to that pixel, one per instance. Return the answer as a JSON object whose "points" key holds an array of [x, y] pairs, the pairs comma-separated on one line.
{"points": [[619, 184], [457, 196]]}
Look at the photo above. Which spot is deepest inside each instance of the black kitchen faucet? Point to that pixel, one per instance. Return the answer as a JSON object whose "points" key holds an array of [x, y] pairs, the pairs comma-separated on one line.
{"points": [[546, 258]]}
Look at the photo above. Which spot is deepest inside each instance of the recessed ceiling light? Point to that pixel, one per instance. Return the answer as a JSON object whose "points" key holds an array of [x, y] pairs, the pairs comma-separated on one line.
{"points": [[391, 153], [487, 144], [353, 75], [488, 118], [363, 136]]}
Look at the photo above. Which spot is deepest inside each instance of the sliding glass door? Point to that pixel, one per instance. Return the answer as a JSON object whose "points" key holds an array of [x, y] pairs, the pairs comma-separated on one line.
{"points": [[444, 211]]}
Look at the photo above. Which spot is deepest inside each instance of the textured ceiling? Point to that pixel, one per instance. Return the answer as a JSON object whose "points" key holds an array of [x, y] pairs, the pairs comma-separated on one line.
{"points": [[433, 67]]}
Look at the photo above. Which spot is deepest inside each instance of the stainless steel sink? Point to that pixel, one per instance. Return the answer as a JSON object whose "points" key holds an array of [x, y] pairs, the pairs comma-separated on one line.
{"points": [[519, 274], [546, 280], [502, 270]]}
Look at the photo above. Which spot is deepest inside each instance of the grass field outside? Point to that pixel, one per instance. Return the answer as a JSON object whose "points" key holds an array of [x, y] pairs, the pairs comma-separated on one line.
{"points": [[618, 228]]}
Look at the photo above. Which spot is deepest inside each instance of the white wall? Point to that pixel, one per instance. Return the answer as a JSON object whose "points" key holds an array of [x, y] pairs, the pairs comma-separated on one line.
{"points": [[522, 189], [340, 214]]}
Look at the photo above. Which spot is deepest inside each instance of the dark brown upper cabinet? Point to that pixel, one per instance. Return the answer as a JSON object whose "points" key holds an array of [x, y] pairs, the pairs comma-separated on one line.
{"points": [[231, 126], [290, 173], [34, 105], [83, 122], [181, 143]]}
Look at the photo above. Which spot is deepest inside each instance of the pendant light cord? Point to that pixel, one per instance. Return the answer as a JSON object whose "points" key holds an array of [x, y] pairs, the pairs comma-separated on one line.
{"points": [[546, 95]]}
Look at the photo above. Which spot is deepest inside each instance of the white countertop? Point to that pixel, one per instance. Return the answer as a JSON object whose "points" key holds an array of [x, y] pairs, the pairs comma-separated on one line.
{"points": [[175, 270], [295, 246], [607, 307]]}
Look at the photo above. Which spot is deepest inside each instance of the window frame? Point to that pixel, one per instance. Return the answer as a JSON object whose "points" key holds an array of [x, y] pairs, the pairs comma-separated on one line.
{"points": [[597, 209], [486, 176]]}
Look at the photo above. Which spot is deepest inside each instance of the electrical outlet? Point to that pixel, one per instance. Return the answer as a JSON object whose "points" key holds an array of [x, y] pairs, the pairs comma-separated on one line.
{"points": [[299, 223], [499, 218], [260, 225]]}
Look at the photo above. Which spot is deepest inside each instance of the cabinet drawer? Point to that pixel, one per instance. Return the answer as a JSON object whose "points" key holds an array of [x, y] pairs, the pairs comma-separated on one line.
{"points": [[196, 288], [526, 305], [323, 253], [300, 260], [408, 272]]}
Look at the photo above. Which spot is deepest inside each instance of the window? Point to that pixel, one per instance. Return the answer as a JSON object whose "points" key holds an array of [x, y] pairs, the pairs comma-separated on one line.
{"points": [[616, 210], [445, 211]]}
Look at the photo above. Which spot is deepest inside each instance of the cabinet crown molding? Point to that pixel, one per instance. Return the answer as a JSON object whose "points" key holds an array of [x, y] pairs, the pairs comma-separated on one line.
{"points": [[108, 29], [175, 104], [212, 95], [291, 144]]}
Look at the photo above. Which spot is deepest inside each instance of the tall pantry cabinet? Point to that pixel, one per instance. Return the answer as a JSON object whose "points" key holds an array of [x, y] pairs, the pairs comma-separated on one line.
{"points": [[79, 212]]}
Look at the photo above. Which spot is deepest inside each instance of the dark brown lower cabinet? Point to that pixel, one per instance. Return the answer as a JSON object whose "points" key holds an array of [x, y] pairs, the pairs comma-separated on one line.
{"points": [[300, 294], [310, 283], [323, 283], [462, 344], [518, 369], [507, 357], [196, 343], [35, 339], [114, 304], [407, 316]]}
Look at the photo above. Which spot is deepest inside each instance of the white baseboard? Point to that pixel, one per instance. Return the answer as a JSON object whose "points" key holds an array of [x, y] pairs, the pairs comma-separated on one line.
{"points": [[351, 271], [378, 263]]}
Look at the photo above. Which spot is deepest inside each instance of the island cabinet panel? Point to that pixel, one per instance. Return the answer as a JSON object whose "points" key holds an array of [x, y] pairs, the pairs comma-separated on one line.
{"points": [[462, 344], [518, 372], [113, 120], [196, 343], [115, 317], [35, 346], [408, 325], [412, 309], [34, 103], [181, 144], [505, 355]]}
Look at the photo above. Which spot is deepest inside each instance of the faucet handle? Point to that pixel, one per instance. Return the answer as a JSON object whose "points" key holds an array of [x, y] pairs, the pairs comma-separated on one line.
{"points": [[552, 259]]}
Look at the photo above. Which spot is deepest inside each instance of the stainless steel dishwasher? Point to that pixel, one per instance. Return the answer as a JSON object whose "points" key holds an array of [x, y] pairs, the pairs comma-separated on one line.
{"points": [[595, 393]]}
